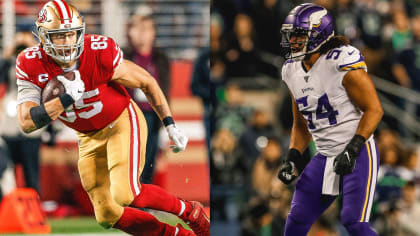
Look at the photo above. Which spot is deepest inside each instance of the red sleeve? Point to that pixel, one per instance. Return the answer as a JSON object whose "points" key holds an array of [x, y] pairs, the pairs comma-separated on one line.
{"points": [[111, 57]]}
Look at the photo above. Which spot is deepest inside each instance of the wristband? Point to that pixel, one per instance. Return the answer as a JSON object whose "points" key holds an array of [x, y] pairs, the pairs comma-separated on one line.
{"points": [[168, 121], [40, 116], [356, 144], [299, 160], [66, 100]]}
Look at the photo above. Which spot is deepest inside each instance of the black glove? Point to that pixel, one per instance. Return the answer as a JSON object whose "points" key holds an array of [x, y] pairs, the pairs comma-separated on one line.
{"points": [[294, 161], [344, 163]]}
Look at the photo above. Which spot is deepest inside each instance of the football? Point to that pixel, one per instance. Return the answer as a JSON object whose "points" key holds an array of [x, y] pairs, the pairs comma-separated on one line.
{"points": [[55, 88]]}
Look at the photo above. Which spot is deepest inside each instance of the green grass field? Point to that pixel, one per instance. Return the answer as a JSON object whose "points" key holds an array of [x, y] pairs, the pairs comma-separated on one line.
{"points": [[88, 225]]}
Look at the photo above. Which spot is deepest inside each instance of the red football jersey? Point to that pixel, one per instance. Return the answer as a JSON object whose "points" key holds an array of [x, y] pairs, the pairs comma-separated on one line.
{"points": [[103, 100]]}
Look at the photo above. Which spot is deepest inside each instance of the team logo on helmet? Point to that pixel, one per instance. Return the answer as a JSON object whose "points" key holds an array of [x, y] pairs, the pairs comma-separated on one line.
{"points": [[42, 16]]}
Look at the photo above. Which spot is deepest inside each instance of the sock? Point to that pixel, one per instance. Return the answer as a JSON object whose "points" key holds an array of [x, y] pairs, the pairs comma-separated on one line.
{"points": [[154, 197], [136, 222]]}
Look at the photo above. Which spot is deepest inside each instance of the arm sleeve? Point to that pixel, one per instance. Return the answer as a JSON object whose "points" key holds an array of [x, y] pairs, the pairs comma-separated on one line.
{"points": [[28, 91]]}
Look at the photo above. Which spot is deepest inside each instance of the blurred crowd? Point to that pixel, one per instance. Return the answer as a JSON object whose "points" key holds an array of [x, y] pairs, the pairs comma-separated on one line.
{"points": [[249, 137]]}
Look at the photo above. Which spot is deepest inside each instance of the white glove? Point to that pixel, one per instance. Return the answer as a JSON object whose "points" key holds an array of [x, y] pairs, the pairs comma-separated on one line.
{"points": [[74, 88], [178, 137]]}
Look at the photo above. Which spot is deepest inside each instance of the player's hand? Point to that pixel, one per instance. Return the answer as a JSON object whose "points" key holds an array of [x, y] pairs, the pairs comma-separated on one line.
{"points": [[345, 162], [286, 174], [74, 88], [178, 137]]}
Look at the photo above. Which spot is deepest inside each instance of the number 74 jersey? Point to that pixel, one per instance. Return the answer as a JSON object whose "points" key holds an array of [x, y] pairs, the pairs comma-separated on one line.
{"points": [[322, 99], [102, 102]]}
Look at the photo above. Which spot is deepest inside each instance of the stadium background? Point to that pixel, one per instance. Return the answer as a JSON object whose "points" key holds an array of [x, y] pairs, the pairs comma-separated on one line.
{"points": [[252, 113], [182, 32]]}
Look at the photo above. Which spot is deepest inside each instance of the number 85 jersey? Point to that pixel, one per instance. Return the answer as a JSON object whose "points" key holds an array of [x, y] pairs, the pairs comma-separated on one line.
{"points": [[322, 99], [103, 100]]}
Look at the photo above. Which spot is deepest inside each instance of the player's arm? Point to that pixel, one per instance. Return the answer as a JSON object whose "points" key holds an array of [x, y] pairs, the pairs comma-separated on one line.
{"points": [[362, 93], [131, 75], [299, 140], [32, 116]]}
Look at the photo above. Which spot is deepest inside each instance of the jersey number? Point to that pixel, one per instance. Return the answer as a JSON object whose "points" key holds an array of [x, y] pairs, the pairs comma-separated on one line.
{"points": [[96, 107], [33, 52], [99, 42], [323, 110]]}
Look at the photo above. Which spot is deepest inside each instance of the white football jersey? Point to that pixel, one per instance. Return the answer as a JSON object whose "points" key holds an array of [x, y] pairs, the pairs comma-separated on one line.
{"points": [[322, 99]]}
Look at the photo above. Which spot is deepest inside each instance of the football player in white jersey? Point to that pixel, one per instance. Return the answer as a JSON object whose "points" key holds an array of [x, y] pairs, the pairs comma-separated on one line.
{"points": [[335, 104]]}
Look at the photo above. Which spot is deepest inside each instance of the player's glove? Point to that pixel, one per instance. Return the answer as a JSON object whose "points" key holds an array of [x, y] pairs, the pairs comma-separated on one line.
{"points": [[178, 137], [292, 166], [74, 88], [344, 163]]}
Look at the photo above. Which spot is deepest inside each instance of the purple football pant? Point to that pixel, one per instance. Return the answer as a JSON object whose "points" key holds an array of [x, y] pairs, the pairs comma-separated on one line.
{"points": [[358, 190]]}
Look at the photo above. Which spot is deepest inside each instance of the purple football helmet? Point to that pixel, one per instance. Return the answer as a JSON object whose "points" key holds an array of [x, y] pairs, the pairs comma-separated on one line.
{"points": [[307, 21]]}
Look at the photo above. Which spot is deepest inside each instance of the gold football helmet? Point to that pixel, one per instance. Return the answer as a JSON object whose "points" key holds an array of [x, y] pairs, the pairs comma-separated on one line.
{"points": [[58, 16]]}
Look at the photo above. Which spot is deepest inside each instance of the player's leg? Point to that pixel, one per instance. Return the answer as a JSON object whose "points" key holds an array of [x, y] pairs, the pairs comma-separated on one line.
{"points": [[154, 197], [358, 191], [126, 151], [308, 203], [93, 169]]}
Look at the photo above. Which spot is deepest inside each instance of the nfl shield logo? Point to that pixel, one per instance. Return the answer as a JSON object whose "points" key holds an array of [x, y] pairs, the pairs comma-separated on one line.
{"points": [[306, 78]]}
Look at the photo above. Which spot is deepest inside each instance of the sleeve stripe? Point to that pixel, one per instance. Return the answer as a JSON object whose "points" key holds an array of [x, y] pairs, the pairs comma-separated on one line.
{"points": [[120, 60], [361, 59], [21, 72], [117, 57], [360, 65], [19, 76]]}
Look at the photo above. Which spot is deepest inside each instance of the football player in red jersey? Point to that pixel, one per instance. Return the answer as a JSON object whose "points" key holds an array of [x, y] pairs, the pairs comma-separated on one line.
{"points": [[111, 128]]}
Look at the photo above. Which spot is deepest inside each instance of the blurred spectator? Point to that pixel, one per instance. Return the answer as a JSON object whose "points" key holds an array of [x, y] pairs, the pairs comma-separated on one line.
{"points": [[266, 168], [217, 50], [369, 22], [402, 35], [200, 86], [267, 25], [408, 166], [228, 175], [233, 114], [345, 15], [410, 209], [143, 52], [242, 59], [406, 68], [256, 136], [228, 166], [23, 148]]}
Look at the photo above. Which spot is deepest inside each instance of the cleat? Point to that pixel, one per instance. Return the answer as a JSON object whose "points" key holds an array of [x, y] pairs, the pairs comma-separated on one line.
{"points": [[198, 220]]}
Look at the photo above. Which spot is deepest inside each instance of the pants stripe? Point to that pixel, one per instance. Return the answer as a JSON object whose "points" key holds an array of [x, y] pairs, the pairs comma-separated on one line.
{"points": [[368, 184], [374, 176], [134, 152], [138, 151]]}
